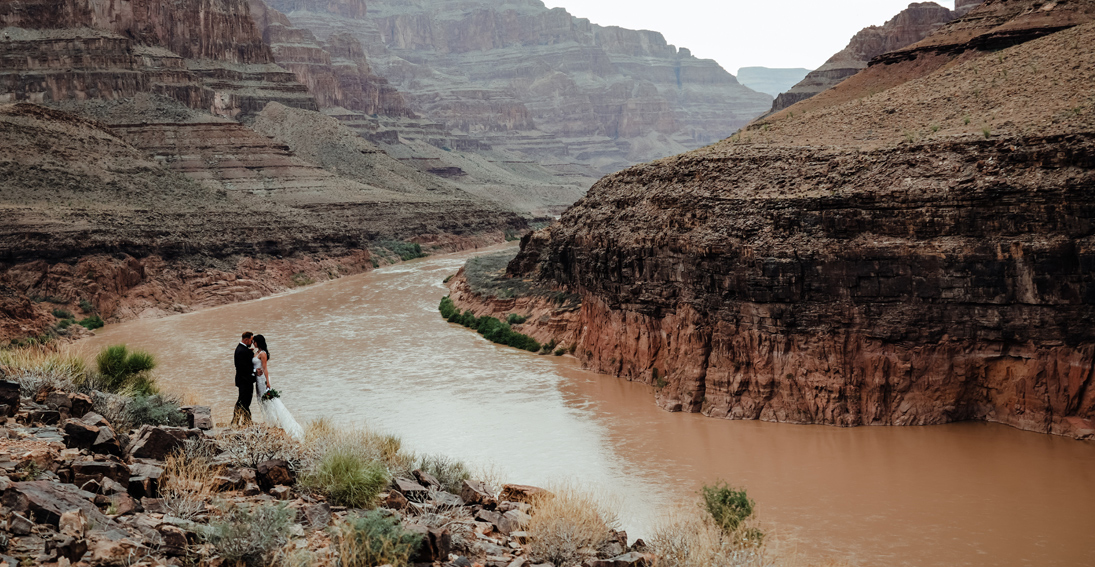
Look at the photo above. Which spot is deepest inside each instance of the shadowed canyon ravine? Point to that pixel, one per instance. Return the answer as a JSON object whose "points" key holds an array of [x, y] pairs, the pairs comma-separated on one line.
{"points": [[373, 349]]}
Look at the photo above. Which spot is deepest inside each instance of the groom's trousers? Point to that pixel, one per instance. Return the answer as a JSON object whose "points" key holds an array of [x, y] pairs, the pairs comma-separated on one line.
{"points": [[242, 413]]}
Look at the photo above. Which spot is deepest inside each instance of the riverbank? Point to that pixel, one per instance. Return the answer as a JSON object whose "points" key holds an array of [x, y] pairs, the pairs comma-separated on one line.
{"points": [[86, 478], [36, 295]]}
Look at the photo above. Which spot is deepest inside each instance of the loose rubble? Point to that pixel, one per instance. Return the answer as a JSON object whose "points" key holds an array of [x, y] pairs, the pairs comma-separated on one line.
{"points": [[74, 491]]}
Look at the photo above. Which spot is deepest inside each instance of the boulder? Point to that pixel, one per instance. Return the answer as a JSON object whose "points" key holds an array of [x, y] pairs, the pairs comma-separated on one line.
{"points": [[174, 540], [426, 479], [70, 549], [412, 490], [522, 493], [9, 396], [18, 524], [107, 442], [144, 480], [436, 544], [45, 501], [630, 559], [79, 405], [275, 472], [200, 417], [83, 471], [157, 442], [476, 492], [79, 435], [92, 418], [394, 500], [43, 417], [73, 523]]}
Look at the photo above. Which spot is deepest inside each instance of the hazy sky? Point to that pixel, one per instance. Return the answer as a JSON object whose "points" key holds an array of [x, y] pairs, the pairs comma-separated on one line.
{"points": [[740, 33]]}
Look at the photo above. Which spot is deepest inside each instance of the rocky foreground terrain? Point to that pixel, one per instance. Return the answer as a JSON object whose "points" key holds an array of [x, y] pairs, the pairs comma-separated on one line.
{"points": [[77, 490], [911, 247]]}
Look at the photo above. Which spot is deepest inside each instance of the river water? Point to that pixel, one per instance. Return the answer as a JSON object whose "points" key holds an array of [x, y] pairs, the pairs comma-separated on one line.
{"points": [[372, 349]]}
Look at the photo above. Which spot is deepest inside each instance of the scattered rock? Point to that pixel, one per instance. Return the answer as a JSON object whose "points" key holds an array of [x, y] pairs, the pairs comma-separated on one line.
{"points": [[426, 479], [394, 500], [476, 492], [45, 501], [79, 435], [281, 492], [144, 480], [19, 525], [412, 490], [318, 515], [157, 442], [198, 417], [522, 493], [273, 473], [630, 559], [73, 523], [9, 397]]}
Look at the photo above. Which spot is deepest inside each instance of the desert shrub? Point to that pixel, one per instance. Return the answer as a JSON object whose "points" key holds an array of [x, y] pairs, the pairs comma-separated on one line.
{"points": [[567, 525], [301, 279], [515, 319], [153, 409], [256, 444], [728, 507], [550, 346], [560, 351], [447, 308], [693, 539], [188, 481], [405, 250], [491, 328], [121, 370], [62, 313], [86, 306], [375, 538], [348, 479], [242, 534], [451, 473], [93, 322]]}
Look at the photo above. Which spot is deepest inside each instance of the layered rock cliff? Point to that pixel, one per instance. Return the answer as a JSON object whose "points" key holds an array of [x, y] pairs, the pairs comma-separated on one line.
{"points": [[906, 28], [916, 256], [521, 78]]}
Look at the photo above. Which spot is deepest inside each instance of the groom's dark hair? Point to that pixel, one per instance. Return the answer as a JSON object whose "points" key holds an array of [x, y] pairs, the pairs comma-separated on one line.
{"points": [[248, 335]]}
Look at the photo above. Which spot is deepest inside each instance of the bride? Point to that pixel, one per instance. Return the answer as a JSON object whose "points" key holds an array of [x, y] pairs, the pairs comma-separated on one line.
{"points": [[273, 411]]}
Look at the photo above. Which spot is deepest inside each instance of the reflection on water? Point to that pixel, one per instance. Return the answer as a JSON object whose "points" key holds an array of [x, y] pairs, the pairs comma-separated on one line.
{"points": [[373, 349]]}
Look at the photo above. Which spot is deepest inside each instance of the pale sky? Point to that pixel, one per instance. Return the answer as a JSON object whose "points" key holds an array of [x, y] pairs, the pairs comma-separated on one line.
{"points": [[740, 33]]}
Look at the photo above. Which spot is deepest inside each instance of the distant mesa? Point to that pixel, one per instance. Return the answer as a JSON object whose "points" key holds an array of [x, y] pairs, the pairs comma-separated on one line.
{"points": [[770, 81], [906, 28]]}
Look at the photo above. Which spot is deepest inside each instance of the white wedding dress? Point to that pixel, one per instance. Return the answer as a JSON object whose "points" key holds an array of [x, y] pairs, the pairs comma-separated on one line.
{"points": [[273, 411]]}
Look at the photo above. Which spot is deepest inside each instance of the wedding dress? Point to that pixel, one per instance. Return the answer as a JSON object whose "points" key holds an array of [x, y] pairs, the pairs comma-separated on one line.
{"points": [[273, 411]]}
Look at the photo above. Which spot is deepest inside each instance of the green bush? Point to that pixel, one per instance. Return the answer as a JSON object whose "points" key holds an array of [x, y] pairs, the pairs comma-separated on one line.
{"points": [[405, 250], [251, 535], [560, 351], [62, 313], [153, 410], [348, 479], [120, 369], [728, 506], [92, 323], [451, 473], [86, 306], [491, 328], [515, 319], [375, 538]]}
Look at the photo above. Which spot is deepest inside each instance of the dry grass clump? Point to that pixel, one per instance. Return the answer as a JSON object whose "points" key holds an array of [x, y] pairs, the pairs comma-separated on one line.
{"points": [[375, 538], [691, 538], [250, 535], [189, 479], [321, 437], [569, 525], [256, 444], [44, 367]]}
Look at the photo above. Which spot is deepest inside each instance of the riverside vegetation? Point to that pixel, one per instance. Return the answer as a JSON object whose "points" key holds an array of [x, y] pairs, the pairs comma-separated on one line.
{"points": [[99, 467]]}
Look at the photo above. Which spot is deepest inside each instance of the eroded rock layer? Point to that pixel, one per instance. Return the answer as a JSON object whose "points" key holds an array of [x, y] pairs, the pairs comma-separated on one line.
{"points": [[852, 267], [911, 25]]}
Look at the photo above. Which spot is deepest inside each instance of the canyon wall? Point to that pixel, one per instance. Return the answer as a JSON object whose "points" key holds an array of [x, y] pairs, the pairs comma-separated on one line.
{"points": [[918, 256], [909, 26], [521, 78]]}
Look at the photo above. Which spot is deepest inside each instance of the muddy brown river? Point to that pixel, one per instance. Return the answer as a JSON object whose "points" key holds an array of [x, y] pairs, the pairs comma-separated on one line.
{"points": [[373, 349]]}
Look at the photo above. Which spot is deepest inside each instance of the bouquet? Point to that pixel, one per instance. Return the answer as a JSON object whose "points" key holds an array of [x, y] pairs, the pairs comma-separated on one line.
{"points": [[271, 394]]}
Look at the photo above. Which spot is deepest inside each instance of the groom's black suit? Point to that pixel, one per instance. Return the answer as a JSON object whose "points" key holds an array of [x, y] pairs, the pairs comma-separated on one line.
{"points": [[245, 381]]}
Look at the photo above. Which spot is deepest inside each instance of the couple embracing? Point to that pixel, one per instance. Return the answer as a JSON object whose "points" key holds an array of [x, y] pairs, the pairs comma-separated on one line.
{"points": [[252, 359]]}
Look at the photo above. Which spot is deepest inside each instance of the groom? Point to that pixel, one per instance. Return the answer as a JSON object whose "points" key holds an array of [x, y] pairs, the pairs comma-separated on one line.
{"points": [[245, 380]]}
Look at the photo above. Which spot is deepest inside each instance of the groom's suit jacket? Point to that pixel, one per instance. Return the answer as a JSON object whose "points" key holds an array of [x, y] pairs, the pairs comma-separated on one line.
{"points": [[245, 369]]}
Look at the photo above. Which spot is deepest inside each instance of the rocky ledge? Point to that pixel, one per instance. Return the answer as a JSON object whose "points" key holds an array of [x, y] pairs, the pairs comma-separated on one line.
{"points": [[76, 491]]}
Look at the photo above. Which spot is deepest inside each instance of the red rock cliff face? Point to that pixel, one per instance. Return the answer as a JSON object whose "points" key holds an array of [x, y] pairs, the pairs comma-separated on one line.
{"points": [[221, 30], [863, 278]]}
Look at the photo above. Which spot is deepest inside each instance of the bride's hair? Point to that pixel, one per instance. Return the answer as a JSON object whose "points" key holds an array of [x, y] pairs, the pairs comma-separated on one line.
{"points": [[260, 341]]}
